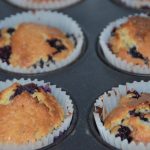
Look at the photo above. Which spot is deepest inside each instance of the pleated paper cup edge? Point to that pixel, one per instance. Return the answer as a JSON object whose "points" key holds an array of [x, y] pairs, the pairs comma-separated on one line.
{"points": [[44, 5]]}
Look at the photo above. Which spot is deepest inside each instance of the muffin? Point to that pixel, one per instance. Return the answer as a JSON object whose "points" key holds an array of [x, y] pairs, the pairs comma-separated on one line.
{"points": [[43, 4], [43, 41], [19, 48], [25, 102], [132, 118], [33, 114], [122, 116], [142, 4], [125, 43], [130, 41]]}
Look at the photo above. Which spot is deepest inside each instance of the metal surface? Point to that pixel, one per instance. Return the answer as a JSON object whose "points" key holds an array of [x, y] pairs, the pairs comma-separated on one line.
{"points": [[88, 77]]}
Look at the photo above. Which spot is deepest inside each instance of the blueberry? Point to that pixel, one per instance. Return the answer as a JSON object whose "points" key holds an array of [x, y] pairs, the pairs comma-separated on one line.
{"points": [[50, 58], [57, 44], [144, 119], [30, 88], [132, 112], [41, 63], [124, 133], [145, 7], [136, 94], [10, 31], [46, 88], [5, 53], [134, 53], [138, 114]]}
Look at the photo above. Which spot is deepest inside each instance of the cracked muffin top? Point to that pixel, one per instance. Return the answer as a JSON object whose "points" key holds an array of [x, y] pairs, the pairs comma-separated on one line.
{"points": [[131, 118], [29, 44], [28, 113], [130, 41]]}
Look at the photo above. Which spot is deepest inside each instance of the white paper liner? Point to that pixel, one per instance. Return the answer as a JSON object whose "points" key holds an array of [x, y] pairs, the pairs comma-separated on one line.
{"points": [[54, 19], [57, 4], [108, 102], [137, 3], [64, 100], [112, 58]]}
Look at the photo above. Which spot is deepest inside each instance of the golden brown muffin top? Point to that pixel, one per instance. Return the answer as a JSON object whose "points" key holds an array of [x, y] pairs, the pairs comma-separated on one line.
{"points": [[28, 113], [130, 41], [31, 43], [131, 118]]}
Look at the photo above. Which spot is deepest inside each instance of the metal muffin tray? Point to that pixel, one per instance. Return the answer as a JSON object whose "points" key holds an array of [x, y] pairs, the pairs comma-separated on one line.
{"points": [[88, 77]]}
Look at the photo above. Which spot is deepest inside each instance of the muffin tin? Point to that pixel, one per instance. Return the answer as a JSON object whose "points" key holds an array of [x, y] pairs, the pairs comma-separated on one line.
{"points": [[88, 77]]}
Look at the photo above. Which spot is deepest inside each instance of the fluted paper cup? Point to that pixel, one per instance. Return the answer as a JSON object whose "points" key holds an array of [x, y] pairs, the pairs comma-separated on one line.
{"points": [[106, 103]]}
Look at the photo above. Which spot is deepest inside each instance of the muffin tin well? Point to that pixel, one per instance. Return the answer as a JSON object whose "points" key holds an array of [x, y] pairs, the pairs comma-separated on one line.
{"points": [[88, 77]]}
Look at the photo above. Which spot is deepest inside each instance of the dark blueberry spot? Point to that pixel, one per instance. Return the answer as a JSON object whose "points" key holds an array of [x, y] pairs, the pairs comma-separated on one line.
{"points": [[30, 88], [136, 94], [134, 53], [113, 31], [50, 58], [145, 7], [144, 119], [138, 114], [46, 88], [71, 36], [124, 133], [5, 53], [132, 112], [10, 31], [41, 63], [57, 44]]}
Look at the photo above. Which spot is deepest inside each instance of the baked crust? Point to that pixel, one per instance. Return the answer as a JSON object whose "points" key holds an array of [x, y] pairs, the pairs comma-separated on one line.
{"points": [[130, 119], [130, 41], [31, 43], [27, 117]]}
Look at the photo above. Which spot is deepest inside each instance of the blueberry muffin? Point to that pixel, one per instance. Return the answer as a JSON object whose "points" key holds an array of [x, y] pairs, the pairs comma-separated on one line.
{"points": [[131, 118], [31, 44], [144, 4], [28, 113], [130, 41]]}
